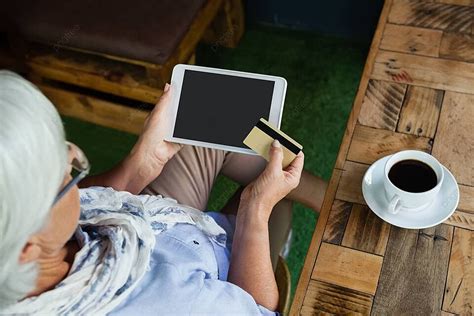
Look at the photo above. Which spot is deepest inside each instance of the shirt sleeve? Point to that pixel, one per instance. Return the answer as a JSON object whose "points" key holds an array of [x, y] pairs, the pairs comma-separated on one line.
{"points": [[217, 296]]}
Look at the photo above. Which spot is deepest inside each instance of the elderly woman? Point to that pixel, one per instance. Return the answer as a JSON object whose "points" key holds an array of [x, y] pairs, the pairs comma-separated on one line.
{"points": [[105, 250]]}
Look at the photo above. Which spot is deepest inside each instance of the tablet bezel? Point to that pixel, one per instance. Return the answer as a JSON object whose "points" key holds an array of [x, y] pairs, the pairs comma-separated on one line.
{"points": [[276, 108]]}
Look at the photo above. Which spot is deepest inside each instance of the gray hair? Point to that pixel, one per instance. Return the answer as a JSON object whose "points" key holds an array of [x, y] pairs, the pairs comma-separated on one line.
{"points": [[32, 167]]}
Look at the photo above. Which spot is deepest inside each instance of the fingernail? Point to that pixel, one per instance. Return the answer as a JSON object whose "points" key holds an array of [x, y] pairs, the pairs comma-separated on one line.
{"points": [[276, 143], [167, 87]]}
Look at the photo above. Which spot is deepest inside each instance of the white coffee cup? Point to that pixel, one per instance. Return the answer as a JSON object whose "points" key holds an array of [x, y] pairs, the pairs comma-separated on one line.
{"points": [[409, 201]]}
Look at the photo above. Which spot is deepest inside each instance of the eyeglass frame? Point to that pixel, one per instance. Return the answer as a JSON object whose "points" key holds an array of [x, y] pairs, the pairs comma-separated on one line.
{"points": [[79, 163]]}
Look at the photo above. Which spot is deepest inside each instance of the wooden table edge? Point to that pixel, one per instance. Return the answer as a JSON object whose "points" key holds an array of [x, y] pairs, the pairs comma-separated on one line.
{"points": [[316, 240]]}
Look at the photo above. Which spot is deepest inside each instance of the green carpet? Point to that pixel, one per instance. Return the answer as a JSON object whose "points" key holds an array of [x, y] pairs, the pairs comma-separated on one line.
{"points": [[322, 73]]}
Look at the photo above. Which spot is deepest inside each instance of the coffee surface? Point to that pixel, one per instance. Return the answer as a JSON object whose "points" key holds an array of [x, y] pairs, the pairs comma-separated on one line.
{"points": [[413, 176]]}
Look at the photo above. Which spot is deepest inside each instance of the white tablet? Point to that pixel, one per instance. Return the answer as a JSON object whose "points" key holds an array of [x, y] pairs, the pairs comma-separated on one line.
{"points": [[217, 108]]}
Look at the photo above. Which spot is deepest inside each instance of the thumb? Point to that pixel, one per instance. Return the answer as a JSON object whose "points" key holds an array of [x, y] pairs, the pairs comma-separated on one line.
{"points": [[276, 156], [166, 92], [165, 98]]}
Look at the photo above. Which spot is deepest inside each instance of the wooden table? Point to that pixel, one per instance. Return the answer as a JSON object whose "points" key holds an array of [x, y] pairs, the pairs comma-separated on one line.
{"points": [[416, 92]]}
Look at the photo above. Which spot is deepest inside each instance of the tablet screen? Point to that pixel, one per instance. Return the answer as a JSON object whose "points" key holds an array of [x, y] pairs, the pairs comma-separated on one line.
{"points": [[221, 109]]}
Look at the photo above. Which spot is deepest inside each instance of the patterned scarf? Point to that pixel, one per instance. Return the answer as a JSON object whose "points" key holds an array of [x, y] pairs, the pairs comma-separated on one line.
{"points": [[117, 235]]}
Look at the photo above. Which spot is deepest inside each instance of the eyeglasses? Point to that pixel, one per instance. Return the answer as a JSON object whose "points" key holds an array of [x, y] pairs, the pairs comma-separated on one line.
{"points": [[80, 168]]}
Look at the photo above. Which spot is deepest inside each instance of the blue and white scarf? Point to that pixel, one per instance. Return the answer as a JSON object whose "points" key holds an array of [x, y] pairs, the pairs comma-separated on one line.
{"points": [[117, 234]]}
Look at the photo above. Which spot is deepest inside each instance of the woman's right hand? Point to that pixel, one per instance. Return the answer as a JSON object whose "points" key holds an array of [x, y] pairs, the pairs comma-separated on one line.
{"points": [[274, 183], [251, 266]]}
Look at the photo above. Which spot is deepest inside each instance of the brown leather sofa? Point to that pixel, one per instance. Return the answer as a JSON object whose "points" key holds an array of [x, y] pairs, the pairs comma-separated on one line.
{"points": [[107, 61]]}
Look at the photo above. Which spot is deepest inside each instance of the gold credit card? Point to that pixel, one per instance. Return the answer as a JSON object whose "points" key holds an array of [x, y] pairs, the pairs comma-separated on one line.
{"points": [[261, 137]]}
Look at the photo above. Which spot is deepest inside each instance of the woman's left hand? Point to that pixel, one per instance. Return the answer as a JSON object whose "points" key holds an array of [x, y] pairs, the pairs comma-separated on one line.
{"points": [[147, 157], [153, 151]]}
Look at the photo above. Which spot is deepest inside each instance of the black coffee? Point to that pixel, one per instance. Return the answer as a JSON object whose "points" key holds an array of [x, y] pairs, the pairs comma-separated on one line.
{"points": [[412, 176]]}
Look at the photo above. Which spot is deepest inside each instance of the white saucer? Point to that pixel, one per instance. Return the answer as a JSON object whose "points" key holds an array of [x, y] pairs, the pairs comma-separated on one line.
{"points": [[437, 212]]}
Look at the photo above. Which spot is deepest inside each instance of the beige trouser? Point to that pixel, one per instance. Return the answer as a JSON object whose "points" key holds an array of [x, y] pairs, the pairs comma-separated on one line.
{"points": [[189, 176]]}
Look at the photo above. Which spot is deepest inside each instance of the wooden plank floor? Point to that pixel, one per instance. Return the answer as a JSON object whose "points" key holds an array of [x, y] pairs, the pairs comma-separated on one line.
{"points": [[416, 92]]}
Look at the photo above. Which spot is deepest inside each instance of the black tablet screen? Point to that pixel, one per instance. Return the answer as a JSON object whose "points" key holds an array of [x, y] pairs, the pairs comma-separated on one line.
{"points": [[221, 109]]}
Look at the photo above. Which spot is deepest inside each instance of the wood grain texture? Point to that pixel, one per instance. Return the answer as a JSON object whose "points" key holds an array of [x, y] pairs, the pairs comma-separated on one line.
{"points": [[91, 71], [313, 248], [187, 46], [418, 286], [466, 199], [365, 231], [412, 40], [305, 311], [414, 272], [323, 297], [370, 144], [432, 15], [95, 110], [443, 313], [350, 185], [430, 72], [112, 57], [227, 27], [381, 104], [461, 219], [454, 146], [459, 291], [457, 2], [196, 30], [346, 267], [420, 111], [457, 46], [337, 221]]}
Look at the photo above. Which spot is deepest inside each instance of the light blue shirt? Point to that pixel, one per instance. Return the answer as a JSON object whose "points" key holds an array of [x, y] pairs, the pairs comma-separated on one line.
{"points": [[188, 273]]}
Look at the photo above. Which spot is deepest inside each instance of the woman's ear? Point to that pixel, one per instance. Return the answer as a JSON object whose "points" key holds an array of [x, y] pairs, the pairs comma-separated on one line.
{"points": [[31, 252]]}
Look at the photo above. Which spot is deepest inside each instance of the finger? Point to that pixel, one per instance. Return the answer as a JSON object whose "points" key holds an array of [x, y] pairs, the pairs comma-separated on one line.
{"points": [[276, 156], [166, 92], [163, 101], [175, 146], [296, 166]]}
